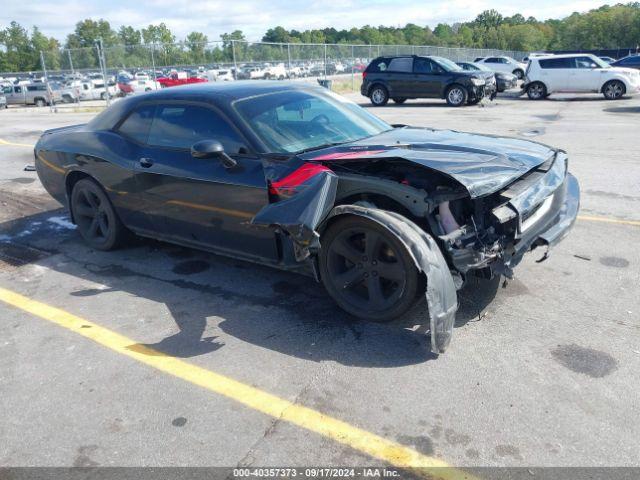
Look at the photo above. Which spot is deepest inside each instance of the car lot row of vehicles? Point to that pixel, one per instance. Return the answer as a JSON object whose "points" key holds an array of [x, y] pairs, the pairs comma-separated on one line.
{"points": [[36, 91], [402, 77]]}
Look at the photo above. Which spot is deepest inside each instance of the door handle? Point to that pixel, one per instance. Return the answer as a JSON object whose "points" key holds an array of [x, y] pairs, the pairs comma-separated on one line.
{"points": [[146, 162]]}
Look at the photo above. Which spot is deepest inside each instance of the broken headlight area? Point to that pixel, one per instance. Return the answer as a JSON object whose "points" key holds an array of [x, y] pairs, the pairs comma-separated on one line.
{"points": [[492, 233]]}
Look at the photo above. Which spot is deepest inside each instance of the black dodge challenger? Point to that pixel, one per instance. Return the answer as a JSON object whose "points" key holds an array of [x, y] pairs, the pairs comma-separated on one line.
{"points": [[299, 178]]}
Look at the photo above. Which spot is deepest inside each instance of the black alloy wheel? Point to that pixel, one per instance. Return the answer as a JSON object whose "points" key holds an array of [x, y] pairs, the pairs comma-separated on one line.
{"points": [[367, 270], [96, 218]]}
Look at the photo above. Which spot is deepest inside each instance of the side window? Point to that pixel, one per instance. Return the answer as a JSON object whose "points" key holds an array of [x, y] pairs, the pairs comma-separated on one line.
{"points": [[378, 65], [18, 89], [402, 64], [631, 60], [585, 62], [7, 90], [493, 60], [557, 63], [425, 65], [180, 126], [137, 124]]}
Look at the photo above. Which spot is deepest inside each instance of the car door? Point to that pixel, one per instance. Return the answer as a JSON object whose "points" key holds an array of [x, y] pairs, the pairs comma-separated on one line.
{"points": [[588, 75], [428, 78], [400, 76], [558, 74], [199, 201], [15, 95]]}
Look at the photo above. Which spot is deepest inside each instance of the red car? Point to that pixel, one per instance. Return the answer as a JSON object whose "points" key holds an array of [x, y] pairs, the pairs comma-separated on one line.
{"points": [[174, 81]]}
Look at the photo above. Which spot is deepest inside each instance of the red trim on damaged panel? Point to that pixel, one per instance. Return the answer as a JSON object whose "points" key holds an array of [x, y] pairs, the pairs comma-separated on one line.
{"points": [[297, 177], [348, 154]]}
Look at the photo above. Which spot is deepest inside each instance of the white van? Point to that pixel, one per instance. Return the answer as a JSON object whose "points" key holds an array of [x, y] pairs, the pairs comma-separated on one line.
{"points": [[582, 72]]}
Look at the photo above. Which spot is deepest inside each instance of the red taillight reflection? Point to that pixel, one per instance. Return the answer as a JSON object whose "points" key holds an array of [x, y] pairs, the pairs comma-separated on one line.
{"points": [[364, 75]]}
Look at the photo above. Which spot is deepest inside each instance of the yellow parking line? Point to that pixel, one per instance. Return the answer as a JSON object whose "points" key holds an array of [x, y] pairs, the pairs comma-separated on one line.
{"points": [[590, 218], [4, 142], [369, 443]]}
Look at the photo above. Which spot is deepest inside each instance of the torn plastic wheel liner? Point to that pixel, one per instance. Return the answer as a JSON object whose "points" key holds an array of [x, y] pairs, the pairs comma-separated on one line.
{"points": [[442, 299]]}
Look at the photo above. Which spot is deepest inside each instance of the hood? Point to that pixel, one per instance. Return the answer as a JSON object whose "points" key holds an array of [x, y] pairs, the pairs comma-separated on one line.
{"points": [[483, 164], [625, 70]]}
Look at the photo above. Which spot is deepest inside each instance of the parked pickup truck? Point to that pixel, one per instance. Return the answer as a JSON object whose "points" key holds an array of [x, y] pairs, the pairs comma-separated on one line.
{"points": [[94, 90], [31, 94]]}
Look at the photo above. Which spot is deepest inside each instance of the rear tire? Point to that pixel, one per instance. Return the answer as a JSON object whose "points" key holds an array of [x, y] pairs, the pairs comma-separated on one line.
{"points": [[367, 270], [456, 95], [40, 102], [379, 95], [613, 90], [518, 73], [399, 100], [475, 101], [97, 220], [536, 91]]}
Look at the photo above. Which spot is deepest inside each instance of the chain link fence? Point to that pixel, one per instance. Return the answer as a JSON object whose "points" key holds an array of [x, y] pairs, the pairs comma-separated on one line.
{"points": [[99, 72]]}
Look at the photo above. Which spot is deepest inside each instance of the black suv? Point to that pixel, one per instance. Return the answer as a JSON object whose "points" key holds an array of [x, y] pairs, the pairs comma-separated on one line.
{"points": [[412, 76]]}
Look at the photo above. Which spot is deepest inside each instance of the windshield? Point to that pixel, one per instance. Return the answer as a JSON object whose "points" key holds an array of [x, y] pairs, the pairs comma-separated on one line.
{"points": [[295, 120], [447, 64]]}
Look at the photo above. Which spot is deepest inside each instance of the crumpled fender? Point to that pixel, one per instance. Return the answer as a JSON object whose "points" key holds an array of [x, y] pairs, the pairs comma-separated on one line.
{"points": [[442, 299], [300, 214]]}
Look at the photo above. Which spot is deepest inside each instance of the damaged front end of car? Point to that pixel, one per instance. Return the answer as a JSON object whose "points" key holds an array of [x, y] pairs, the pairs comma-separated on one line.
{"points": [[450, 230], [537, 210]]}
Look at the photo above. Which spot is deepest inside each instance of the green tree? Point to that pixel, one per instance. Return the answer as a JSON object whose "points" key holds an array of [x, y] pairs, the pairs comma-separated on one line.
{"points": [[158, 34], [488, 19], [197, 44], [128, 35]]}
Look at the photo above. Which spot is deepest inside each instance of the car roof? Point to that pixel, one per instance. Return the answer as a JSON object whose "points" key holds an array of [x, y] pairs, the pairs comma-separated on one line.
{"points": [[230, 90], [564, 55]]}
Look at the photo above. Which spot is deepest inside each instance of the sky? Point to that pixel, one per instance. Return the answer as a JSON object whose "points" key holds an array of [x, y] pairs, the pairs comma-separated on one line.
{"points": [[57, 18]]}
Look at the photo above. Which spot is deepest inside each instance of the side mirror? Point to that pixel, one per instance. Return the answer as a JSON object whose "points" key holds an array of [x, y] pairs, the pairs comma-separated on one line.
{"points": [[212, 149]]}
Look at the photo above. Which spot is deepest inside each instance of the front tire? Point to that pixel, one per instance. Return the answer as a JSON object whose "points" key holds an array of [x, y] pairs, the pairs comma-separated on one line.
{"points": [[518, 73], [613, 90], [537, 91], [379, 95], [97, 220], [367, 270], [456, 96]]}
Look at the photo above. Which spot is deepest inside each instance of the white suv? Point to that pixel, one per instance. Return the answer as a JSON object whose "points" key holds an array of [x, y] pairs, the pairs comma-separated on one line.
{"points": [[504, 64], [578, 73]]}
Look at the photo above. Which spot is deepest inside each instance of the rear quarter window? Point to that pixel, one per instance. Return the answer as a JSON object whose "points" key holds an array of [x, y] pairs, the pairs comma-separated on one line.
{"points": [[137, 124], [557, 63], [379, 65]]}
